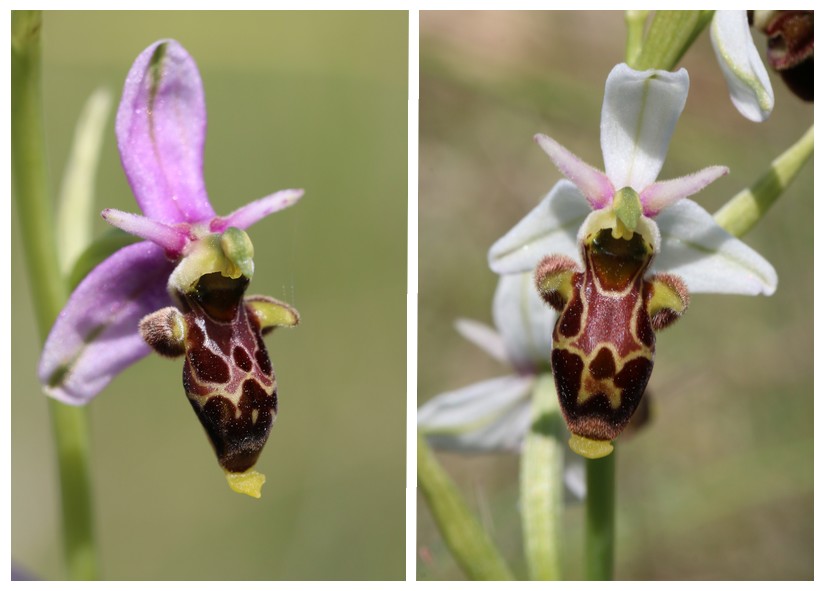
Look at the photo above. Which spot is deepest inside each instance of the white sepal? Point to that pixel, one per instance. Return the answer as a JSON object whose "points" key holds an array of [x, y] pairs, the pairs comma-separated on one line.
{"points": [[746, 76], [637, 120], [525, 322], [707, 257], [550, 228], [488, 416]]}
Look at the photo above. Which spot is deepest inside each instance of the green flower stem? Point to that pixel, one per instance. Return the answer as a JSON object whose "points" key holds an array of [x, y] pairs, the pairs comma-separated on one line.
{"points": [[670, 34], [49, 291], [29, 170], [635, 20], [542, 488], [71, 429], [599, 548], [466, 539], [743, 211]]}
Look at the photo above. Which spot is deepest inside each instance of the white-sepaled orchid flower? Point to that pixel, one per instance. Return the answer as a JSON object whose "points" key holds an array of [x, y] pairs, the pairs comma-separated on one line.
{"points": [[617, 254], [745, 73], [494, 415]]}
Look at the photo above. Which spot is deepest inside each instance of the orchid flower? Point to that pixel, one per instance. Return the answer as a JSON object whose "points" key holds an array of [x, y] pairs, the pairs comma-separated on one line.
{"points": [[180, 290], [746, 76], [494, 415], [618, 252]]}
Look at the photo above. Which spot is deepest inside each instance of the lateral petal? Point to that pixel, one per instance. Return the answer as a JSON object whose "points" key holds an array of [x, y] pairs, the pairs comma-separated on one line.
{"points": [[637, 120], [593, 184], [172, 239], [663, 194], [706, 257], [161, 128], [253, 212], [488, 416], [550, 228], [95, 337]]}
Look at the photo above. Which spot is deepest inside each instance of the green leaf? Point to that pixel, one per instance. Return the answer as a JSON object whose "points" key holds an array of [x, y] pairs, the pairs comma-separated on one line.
{"points": [[76, 199]]}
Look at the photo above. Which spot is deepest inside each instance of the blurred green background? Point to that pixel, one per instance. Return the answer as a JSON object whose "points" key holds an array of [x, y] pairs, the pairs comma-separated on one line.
{"points": [[296, 99], [720, 485]]}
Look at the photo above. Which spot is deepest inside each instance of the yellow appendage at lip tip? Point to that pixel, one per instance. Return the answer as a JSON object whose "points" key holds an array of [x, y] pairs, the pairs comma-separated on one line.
{"points": [[590, 448], [246, 483]]}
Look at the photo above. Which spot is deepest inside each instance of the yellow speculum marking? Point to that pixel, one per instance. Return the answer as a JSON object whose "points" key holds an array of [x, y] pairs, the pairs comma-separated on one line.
{"points": [[560, 282], [591, 385]]}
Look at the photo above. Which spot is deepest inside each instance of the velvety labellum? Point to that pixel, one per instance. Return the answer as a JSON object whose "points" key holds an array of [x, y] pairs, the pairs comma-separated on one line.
{"points": [[227, 374], [604, 342], [234, 398]]}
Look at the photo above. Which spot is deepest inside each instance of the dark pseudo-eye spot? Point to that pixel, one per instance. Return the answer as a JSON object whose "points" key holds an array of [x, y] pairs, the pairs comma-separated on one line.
{"points": [[568, 368], [635, 375], [195, 336], [208, 366], [262, 356], [602, 365], [242, 359], [569, 323]]}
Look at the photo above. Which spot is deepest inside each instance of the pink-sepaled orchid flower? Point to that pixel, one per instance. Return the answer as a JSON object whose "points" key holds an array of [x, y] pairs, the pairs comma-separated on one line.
{"points": [[180, 290], [617, 253]]}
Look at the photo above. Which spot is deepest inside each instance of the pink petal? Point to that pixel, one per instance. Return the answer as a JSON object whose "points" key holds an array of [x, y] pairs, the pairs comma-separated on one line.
{"points": [[171, 238], [161, 127], [255, 211], [592, 183], [662, 194], [95, 337]]}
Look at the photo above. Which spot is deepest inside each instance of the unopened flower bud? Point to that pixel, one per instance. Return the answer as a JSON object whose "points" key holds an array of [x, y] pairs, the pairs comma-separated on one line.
{"points": [[789, 47]]}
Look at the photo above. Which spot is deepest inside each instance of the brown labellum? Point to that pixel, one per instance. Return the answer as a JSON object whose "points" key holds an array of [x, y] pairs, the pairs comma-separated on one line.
{"points": [[604, 341], [227, 374]]}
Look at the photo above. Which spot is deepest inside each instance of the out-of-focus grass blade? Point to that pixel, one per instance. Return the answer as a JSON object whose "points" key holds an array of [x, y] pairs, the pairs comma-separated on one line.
{"points": [[466, 539]]}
